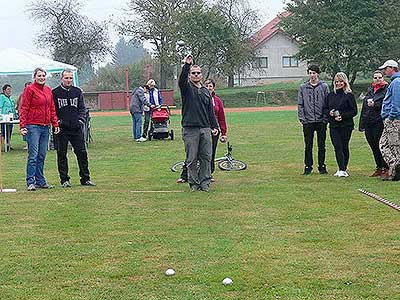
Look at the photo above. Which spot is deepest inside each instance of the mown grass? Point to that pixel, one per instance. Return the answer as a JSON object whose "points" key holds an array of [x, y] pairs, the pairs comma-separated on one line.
{"points": [[277, 234]]}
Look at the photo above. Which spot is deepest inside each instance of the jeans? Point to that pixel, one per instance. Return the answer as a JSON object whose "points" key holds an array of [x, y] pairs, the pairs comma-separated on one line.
{"points": [[38, 140], [75, 137], [137, 125], [308, 131], [198, 148], [340, 137]]}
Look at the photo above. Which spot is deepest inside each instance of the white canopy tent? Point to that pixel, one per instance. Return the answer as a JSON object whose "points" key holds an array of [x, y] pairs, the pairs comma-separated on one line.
{"points": [[18, 62]]}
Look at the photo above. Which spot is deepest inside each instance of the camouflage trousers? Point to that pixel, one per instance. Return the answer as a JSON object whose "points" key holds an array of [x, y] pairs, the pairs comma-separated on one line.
{"points": [[389, 144]]}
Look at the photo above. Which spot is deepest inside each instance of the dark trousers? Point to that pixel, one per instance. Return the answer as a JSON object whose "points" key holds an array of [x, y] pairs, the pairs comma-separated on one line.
{"points": [[308, 131], [373, 133], [77, 141], [198, 149], [147, 116], [215, 139], [340, 137], [7, 139]]}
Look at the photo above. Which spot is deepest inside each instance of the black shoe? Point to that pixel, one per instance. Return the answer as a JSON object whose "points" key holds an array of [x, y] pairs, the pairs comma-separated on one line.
{"points": [[88, 183], [307, 170], [322, 170]]}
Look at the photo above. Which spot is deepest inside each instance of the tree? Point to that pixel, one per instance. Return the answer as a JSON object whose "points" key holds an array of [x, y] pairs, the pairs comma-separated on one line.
{"points": [[126, 53], [244, 20], [71, 37], [155, 21], [348, 35]]}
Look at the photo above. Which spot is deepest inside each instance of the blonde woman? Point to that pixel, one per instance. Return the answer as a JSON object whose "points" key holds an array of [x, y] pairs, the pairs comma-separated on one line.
{"points": [[341, 108]]}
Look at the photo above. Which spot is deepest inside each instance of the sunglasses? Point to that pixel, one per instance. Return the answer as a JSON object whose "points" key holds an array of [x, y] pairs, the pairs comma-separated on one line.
{"points": [[378, 77], [195, 73]]}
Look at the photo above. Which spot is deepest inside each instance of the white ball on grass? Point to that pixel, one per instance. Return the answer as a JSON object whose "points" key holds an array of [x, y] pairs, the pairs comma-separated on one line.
{"points": [[170, 272], [227, 281]]}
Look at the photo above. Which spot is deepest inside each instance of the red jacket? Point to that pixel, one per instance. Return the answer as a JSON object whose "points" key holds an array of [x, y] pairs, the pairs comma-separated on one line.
{"points": [[38, 106], [219, 113]]}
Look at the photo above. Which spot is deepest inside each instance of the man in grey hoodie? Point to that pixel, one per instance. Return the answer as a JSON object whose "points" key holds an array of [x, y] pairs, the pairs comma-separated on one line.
{"points": [[138, 100], [311, 99]]}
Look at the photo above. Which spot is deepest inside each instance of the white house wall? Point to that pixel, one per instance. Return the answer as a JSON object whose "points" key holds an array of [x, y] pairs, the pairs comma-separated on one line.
{"points": [[274, 48]]}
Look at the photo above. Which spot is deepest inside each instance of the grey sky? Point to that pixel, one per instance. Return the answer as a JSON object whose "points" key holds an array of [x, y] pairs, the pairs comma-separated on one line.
{"points": [[18, 31]]}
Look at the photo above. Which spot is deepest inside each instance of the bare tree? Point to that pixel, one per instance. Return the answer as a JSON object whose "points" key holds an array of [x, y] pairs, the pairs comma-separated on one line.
{"points": [[71, 37], [155, 21]]}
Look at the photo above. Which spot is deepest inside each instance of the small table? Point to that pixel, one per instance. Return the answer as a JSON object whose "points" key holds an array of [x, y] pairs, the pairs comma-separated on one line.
{"points": [[5, 133]]}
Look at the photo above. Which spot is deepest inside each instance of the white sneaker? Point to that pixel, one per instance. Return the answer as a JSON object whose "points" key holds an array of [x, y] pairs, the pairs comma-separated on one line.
{"points": [[142, 139], [343, 174], [337, 173]]}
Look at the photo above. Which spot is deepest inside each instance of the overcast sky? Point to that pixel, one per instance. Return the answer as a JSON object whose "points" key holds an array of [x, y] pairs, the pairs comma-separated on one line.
{"points": [[17, 31]]}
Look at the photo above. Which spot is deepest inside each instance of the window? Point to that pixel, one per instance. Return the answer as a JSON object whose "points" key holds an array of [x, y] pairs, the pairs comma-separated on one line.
{"points": [[260, 62], [289, 62]]}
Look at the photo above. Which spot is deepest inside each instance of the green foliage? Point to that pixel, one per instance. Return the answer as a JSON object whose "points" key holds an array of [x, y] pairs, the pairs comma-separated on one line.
{"points": [[348, 35], [112, 77], [277, 234]]}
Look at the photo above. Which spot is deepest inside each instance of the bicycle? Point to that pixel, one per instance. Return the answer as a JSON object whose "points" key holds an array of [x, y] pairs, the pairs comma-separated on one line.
{"points": [[225, 163]]}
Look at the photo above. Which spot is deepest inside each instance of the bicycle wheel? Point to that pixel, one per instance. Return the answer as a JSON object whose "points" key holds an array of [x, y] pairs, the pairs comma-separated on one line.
{"points": [[233, 165], [177, 167]]}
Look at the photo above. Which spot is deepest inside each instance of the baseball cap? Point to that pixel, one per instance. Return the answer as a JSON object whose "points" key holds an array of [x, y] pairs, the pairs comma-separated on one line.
{"points": [[390, 63]]}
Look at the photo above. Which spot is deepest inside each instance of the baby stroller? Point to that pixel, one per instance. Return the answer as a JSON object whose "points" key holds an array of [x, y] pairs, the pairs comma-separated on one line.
{"points": [[159, 124]]}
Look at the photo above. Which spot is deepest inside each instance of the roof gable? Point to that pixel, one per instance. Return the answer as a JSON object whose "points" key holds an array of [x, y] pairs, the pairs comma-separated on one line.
{"points": [[269, 29]]}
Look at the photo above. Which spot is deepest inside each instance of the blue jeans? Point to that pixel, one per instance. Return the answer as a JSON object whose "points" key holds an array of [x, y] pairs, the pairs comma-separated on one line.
{"points": [[137, 125], [38, 140]]}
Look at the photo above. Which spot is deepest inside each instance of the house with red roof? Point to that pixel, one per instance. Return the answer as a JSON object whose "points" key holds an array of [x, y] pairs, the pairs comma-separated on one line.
{"points": [[275, 57]]}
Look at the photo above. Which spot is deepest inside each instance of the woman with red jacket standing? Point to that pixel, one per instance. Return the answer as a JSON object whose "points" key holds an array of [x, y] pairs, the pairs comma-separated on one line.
{"points": [[220, 116], [36, 115]]}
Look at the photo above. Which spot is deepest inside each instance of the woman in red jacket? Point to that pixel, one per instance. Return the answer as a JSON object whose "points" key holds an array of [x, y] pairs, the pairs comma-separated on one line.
{"points": [[36, 115], [220, 116]]}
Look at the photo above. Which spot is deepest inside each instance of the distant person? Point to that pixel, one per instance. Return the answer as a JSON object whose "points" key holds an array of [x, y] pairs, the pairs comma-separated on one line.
{"points": [[37, 113], [371, 121], [18, 108], [311, 100], [390, 140], [341, 108], [71, 113], [138, 101], [198, 122], [7, 106], [155, 100]]}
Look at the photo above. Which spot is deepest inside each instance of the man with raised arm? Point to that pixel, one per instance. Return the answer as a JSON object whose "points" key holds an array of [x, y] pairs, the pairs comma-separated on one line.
{"points": [[198, 123]]}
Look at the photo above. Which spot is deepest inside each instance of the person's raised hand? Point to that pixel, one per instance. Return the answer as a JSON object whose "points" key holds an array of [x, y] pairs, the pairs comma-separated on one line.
{"points": [[188, 59]]}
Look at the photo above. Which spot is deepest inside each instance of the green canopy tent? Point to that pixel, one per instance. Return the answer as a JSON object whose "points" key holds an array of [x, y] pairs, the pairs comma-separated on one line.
{"points": [[18, 62]]}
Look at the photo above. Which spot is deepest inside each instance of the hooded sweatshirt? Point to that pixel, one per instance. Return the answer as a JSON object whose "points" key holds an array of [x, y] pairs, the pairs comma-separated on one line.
{"points": [[391, 102]]}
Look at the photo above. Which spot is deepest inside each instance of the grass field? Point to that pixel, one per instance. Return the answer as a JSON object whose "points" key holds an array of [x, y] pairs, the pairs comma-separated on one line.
{"points": [[277, 234]]}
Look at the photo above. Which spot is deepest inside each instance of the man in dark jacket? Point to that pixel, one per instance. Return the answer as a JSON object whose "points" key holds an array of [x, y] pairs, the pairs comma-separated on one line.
{"points": [[311, 100], [198, 122], [71, 111]]}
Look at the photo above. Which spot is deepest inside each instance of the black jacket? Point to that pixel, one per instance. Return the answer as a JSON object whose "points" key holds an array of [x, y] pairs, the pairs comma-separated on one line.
{"points": [[70, 107], [372, 115], [345, 104], [197, 105]]}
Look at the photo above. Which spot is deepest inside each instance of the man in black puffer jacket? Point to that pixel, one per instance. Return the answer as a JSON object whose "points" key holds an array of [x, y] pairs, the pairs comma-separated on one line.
{"points": [[70, 108]]}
